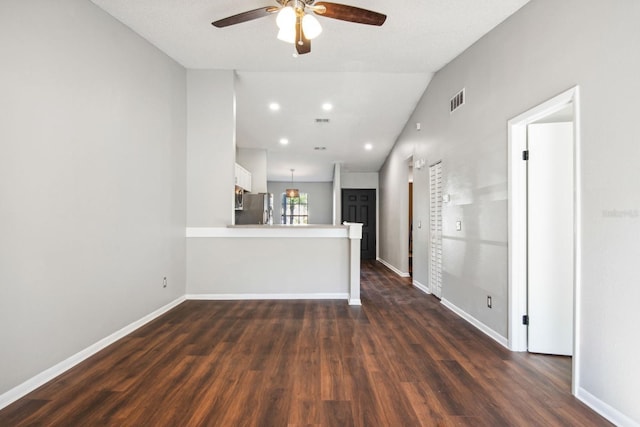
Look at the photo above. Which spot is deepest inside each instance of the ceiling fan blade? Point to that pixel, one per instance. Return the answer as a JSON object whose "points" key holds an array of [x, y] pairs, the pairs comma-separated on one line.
{"points": [[245, 16], [303, 44], [349, 13]]}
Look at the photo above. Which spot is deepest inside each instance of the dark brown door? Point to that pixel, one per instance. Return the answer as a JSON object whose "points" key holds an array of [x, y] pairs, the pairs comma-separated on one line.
{"points": [[360, 206]]}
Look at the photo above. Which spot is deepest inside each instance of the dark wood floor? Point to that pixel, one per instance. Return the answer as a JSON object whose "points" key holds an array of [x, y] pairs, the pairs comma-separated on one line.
{"points": [[401, 359]]}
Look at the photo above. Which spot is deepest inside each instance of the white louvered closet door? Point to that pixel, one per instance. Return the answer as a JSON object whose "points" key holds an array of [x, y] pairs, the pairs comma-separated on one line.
{"points": [[435, 229]]}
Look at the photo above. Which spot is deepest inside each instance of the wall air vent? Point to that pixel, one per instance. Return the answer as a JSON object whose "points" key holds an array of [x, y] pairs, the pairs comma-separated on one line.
{"points": [[322, 120], [457, 101]]}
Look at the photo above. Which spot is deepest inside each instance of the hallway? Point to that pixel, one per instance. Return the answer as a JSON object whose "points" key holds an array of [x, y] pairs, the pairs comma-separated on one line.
{"points": [[402, 359]]}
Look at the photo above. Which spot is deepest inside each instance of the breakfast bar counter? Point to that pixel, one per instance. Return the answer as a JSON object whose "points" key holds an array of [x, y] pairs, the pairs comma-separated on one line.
{"points": [[274, 262]]}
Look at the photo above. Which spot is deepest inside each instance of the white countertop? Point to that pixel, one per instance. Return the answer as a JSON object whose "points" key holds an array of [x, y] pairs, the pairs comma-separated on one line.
{"points": [[279, 230], [287, 226]]}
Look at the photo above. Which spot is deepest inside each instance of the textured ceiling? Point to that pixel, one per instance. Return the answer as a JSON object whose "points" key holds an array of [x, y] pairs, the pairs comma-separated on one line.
{"points": [[374, 76]]}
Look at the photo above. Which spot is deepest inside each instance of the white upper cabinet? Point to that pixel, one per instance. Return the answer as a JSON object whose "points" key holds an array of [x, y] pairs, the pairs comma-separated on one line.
{"points": [[243, 178]]}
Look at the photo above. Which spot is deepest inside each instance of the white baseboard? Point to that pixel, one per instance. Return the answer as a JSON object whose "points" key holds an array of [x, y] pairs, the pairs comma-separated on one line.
{"points": [[392, 268], [422, 287], [240, 297], [611, 414], [45, 376], [355, 301], [478, 324]]}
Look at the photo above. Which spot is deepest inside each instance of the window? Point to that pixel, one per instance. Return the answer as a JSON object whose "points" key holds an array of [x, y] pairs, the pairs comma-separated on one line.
{"points": [[295, 210]]}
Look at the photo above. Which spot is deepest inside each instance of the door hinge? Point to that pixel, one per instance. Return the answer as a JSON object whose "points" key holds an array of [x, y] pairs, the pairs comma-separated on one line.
{"points": [[525, 155], [525, 319]]}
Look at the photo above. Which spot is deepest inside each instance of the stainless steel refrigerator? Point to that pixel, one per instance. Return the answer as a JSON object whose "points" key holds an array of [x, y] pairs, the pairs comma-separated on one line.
{"points": [[256, 209]]}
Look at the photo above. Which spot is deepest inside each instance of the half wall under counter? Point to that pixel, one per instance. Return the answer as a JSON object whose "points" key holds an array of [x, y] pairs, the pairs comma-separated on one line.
{"points": [[274, 262]]}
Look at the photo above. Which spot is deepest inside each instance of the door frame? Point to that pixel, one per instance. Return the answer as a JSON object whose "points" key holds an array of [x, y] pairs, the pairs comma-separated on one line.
{"points": [[517, 222]]}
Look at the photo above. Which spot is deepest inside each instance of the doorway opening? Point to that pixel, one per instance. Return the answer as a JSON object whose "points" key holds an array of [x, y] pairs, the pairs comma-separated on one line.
{"points": [[410, 229], [411, 222], [410, 210], [359, 205], [562, 108]]}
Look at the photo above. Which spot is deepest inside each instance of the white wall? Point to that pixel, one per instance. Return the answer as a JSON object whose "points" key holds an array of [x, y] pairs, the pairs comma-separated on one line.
{"points": [[92, 181], [359, 180], [211, 147], [320, 200], [393, 202], [255, 161], [544, 49]]}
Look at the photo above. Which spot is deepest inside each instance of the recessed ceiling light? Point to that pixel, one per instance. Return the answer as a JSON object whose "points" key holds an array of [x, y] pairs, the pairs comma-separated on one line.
{"points": [[274, 106], [368, 146], [327, 106], [284, 141]]}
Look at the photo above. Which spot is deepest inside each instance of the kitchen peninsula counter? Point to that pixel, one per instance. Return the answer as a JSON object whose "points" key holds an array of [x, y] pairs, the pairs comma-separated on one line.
{"points": [[258, 261]]}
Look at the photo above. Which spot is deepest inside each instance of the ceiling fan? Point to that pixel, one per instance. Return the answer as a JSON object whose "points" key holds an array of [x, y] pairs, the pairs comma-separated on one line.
{"points": [[299, 26]]}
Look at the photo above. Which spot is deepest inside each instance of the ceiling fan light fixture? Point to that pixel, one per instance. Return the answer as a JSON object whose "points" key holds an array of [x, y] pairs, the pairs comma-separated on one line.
{"points": [[286, 18], [287, 35], [311, 27]]}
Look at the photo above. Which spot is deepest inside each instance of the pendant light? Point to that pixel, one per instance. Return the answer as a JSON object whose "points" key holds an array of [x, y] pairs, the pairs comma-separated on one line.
{"points": [[292, 193]]}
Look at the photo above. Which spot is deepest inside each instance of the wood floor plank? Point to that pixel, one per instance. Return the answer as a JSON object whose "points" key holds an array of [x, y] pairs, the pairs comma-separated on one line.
{"points": [[401, 359]]}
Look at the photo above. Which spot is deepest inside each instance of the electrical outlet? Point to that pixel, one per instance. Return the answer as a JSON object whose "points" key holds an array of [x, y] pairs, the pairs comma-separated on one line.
{"points": [[489, 302], [164, 282]]}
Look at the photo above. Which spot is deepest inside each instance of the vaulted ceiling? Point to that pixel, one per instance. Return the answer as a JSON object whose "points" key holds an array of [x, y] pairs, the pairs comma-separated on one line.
{"points": [[372, 76]]}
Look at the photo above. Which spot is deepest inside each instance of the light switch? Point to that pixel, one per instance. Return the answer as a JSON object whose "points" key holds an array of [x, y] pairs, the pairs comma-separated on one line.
{"points": [[458, 225], [446, 198], [419, 224]]}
